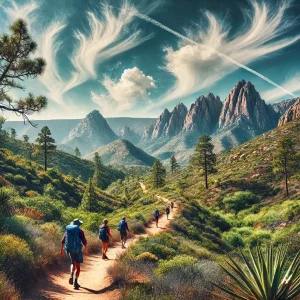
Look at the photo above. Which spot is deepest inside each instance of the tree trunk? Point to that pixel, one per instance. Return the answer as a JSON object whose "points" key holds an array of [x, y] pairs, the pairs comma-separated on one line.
{"points": [[286, 178], [205, 171]]}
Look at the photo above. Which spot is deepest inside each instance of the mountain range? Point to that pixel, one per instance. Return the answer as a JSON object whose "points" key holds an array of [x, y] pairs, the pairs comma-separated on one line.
{"points": [[242, 116]]}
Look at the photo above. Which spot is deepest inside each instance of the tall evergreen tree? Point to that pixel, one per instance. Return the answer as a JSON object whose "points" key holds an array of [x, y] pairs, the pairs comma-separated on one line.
{"points": [[45, 144], [89, 200], [174, 164], [205, 158], [77, 152], [27, 146], [98, 175], [16, 65], [158, 174], [286, 159], [13, 133]]}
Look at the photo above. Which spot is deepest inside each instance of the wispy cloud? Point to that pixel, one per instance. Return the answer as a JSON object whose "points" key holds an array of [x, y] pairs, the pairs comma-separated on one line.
{"points": [[108, 37], [196, 67], [122, 95], [16, 11], [292, 84]]}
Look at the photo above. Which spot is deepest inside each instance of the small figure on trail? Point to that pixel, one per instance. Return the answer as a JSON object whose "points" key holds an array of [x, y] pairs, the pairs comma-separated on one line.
{"points": [[167, 212], [123, 228], [172, 205], [156, 216], [104, 235], [71, 243]]}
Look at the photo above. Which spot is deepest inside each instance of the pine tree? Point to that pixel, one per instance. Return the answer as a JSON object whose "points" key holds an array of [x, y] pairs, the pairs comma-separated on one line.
{"points": [[45, 144], [205, 158], [89, 200], [13, 133], [27, 146], [77, 152], [158, 174], [174, 164], [16, 65], [286, 159], [98, 175]]}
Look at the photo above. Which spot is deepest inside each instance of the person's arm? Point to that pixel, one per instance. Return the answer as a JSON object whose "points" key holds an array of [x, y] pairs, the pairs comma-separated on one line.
{"points": [[126, 226], [62, 244], [108, 232], [83, 241]]}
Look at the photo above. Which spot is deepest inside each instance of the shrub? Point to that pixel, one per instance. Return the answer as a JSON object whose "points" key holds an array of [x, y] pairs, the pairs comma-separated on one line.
{"points": [[94, 244], [234, 239], [13, 226], [5, 203], [7, 289], [239, 200], [20, 180], [177, 262], [16, 259], [136, 227], [147, 257]]}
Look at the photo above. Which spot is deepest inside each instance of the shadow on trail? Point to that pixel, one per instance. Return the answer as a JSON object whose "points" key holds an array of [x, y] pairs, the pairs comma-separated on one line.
{"points": [[110, 288]]}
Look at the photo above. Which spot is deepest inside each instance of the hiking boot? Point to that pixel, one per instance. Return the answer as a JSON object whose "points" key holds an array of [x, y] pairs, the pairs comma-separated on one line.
{"points": [[76, 285], [106, 257], [103, 256], [71, 280]]}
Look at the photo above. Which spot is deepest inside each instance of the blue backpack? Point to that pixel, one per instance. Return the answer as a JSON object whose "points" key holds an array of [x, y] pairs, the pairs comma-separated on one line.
{"points": [[103, 236], [121, 226], [72, 241], [156, 213]]}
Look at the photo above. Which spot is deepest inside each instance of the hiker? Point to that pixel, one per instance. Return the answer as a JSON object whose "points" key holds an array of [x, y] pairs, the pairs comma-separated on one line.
{"points": [[104, 235], [167, 212], [172, 205], [123, 228], [71, 243], [156, 216]]}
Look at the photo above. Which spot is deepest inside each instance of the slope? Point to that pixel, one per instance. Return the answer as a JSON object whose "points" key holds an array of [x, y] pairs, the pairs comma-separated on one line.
{"points": [[123, 152]]}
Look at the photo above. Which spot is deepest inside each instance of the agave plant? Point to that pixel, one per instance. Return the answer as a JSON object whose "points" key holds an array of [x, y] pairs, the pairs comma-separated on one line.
{"points": [[265, 275]]}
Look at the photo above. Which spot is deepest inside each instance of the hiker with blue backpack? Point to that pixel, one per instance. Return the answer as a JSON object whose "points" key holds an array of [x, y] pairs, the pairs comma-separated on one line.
{"points": [[156, 216], [72, 242], [123, 228], [104, 235]]}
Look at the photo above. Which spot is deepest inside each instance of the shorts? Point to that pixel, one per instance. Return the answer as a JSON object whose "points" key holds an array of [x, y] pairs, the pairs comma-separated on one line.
{"points": [[123, 235], [77, 256]]}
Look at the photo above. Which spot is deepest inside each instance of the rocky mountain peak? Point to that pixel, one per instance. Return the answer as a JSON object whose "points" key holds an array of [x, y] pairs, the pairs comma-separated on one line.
{"points": [[161, 124], [129, 134], [91, 133], [283, 106], [176, 121], [203, 115], [291, 114], [244, 105]]}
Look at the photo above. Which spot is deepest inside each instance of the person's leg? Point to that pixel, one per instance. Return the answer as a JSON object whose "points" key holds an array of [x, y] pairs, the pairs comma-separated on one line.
{"points": [[122, 238], [105, 248], [79, 260], [72, 267]]}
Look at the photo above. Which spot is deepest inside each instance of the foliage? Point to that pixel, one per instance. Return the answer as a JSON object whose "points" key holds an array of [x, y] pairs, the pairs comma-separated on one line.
{"points": [[45, 144], [97, 178], [5, 203], [89, 200], [239, 201], [158, 174], [16, 64], [286, 159], [205, 158], [174, 164], [147, 256], [267, 275], [8, 290]]}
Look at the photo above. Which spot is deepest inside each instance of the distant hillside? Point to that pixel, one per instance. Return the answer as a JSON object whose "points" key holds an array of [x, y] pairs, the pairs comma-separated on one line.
{"points": [[123, 153], [66, 163]]}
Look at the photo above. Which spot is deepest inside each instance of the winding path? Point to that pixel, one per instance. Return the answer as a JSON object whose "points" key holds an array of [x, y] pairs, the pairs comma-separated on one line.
{"points": [[95, 283]]}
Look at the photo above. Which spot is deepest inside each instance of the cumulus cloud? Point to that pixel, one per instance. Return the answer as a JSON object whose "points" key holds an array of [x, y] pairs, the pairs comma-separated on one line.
{"points": [[133, 87], [292, 84], [196, 67], [106, 39]]}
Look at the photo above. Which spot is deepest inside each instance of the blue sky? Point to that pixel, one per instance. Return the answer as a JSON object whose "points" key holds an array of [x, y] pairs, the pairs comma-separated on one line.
{"points": [[101, 55]]}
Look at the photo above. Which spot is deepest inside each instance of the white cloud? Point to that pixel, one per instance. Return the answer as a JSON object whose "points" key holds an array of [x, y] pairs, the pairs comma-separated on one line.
{"points": [[107, 38], [133, 87], [292, 84], [196, 67], [24, 11]]}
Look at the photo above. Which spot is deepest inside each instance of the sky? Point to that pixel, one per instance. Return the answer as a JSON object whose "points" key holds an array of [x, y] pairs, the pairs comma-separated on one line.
{"points": [[135, 58]]}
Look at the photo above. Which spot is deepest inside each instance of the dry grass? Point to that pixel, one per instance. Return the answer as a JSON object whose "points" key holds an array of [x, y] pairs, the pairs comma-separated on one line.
{"points": [[7, 289]]}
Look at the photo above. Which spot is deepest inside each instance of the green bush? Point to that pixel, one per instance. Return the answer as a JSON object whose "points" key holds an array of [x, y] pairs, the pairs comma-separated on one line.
{"points": [[147, 257], [177, 262], [234, 239], [13, 226], [20, 180], [16, 259], [239, 200]]}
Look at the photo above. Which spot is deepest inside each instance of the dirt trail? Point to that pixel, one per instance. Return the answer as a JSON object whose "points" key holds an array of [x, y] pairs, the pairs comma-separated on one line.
{"points": [[95, 284]]}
